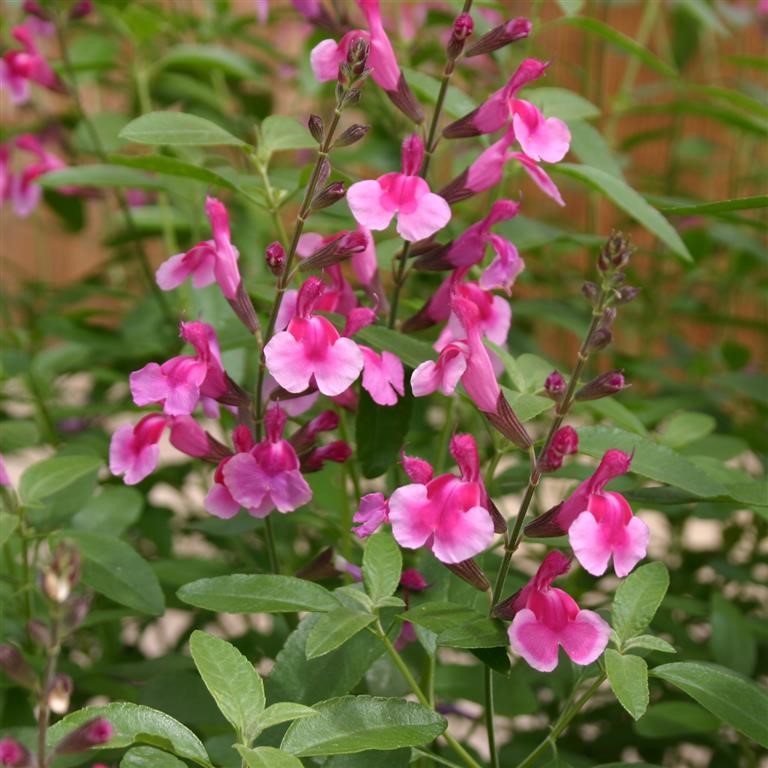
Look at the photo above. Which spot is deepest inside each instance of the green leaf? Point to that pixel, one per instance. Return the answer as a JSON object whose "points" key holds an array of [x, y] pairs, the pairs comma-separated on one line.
{"points": [[411, 351], [628, 676], [8, 524], [650, 643], [17, 434], [99, 175], [618, 413], [638, 598], [673, 719], [177, 129], [480, 633], [283, 712], [258, 593], [206, 58], [353, 724], [267, 757], [651, 460], [732, 641], [149, 757], [335, 628], [722, 206], [457, 625], [562, 103], [589, 145], [623, 42], [136, 724], [630, 201], [171, 166], [726, 694], [525, 406], [112, 511], [278, 132], [687, 427], [456, 103], [570, 7], [117, 571], [50, 476], [232, 681], [380, 431], [510, 366], [382, 565]]}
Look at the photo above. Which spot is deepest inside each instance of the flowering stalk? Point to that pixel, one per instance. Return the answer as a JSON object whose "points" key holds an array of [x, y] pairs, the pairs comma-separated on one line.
{"points": [[431, 144]]}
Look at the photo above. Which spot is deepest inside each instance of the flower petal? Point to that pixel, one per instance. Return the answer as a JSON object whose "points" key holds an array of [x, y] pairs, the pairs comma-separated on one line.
{"points": [[534, 641], [412, 516], [585, 638], [339, 368], [629, 553], [431, 214], [219, 502], [286, 362], [589, 544], [461, 535], [364, 200]]}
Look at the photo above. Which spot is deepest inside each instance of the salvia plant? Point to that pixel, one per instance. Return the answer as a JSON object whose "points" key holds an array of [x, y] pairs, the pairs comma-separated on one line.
{"points": [[327, 502]]}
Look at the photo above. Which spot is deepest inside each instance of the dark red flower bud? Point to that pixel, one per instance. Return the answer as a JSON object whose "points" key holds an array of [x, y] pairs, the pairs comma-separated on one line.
{"points": [[413, 580], [274, 255], [81, 9], [470, 571], [554, 385], [305, 438], [13, 754], [338, 451], [591, 292], [463, 26], [328, 196], [316, 128], [626, 294], [91, 734], [600, 339], [39, 632], [62, 574], [33, 8], [351, 135], [357, 56], [15, 666], [605, 385], [498, 37], [615, 254]]}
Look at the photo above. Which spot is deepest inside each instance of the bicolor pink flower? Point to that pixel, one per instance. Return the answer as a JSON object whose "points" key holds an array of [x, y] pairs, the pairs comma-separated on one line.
{"points": [[338, 295], [443, 374], [541, 138], [599, 523], [261, 478], [19, 68], [328, 55], [372, 513], [24, 193], [448, 514], [546, 618], [497, 110], [382, 376], [190, 438], [311, 351], [134, 451], [420, 213], [179, 383], [418, 470]]}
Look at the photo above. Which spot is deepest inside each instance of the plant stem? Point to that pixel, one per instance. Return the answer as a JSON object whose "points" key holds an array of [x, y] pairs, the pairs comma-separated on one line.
{"points": [[431, 145], [269, 540], [466, 758], [44, 711], [489, 711], [568, 713]]}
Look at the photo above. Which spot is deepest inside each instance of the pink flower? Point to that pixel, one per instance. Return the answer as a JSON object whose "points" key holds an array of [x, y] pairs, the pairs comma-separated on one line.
{"points": [[443, 374], [179, 383], [19, 68], [208, 261], [599, 523], [541, 138], [497, 110], [311, 350], [13, 754], [328, 55], [372, 513], [24, 194], [420, 213], [4, 477], [382, 376], [133, 451], [261, 479], [418, 470], [564, 443], [546, 618], [447, 514]]}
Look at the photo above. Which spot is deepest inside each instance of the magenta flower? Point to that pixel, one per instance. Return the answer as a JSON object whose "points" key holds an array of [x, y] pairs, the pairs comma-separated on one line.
{"points": [[372, 513], [311, 351], [443, 374], [21, 188], [328, 55], [547, 618], [13, 754], [420, 213], [19, 68], [208, 261], [262, 478], [382, 376], [599, 523], [541, 138], [448, 514], [133, 450]]}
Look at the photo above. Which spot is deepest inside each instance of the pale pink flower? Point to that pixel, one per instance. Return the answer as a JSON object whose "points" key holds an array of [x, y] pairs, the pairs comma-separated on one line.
{"points": [[328, 55], [382, 376], [547, 618], [311, 350], [420, 213], [133, 451], [372, 513], [443, 374], [19, 68], [448, 514], [267, 476], [540, 138], [4, 477], [219, 501], [208, 261], [24, 193]]}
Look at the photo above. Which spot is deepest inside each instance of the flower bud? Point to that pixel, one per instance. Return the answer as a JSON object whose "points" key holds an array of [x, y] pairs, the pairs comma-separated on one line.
{"points": [[615, 254], [78, 610], [357, 56], [626, 294], [469, 571], [33, 8], [554, 385], [564, 442], [62, 574], [15, 665], [341, 247], [39, 632], [418, 470], [59, 693], [338, 451], [498, 37], [81, 9], [463, 25], [351, 135], [91, 734], [600, 339], [274, 255], [316, 128], [413, 580], [605, 385], [328, 196], [305, 438], [591, 292], [13, 754], [412, 154]]}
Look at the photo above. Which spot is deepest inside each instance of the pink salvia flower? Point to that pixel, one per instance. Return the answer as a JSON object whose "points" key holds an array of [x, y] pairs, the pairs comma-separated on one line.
{"points": [[420, 213], [418, 470], [267, 476], [13, 754], [24, 193], [494, 316], [547, 618], [443, 374], [219, 501], [382, 376], [311, 350], [372, 513], [541, 138], [19, 68], [338, 451], [133, 451], [447, 514], [328, 55]]}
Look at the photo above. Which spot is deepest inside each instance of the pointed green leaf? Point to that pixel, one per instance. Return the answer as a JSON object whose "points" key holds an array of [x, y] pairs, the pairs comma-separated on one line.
{"points": [[380, 431], [232, 681], [278, 132], [177, 129], [283, 712], [382, 565], [628, 676], [650, 643], [149, 757], [99, 175], [335, 628], [171, 166], [638, 598], [8, 524], [267, 757], [50, 476], [673, 719]]}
